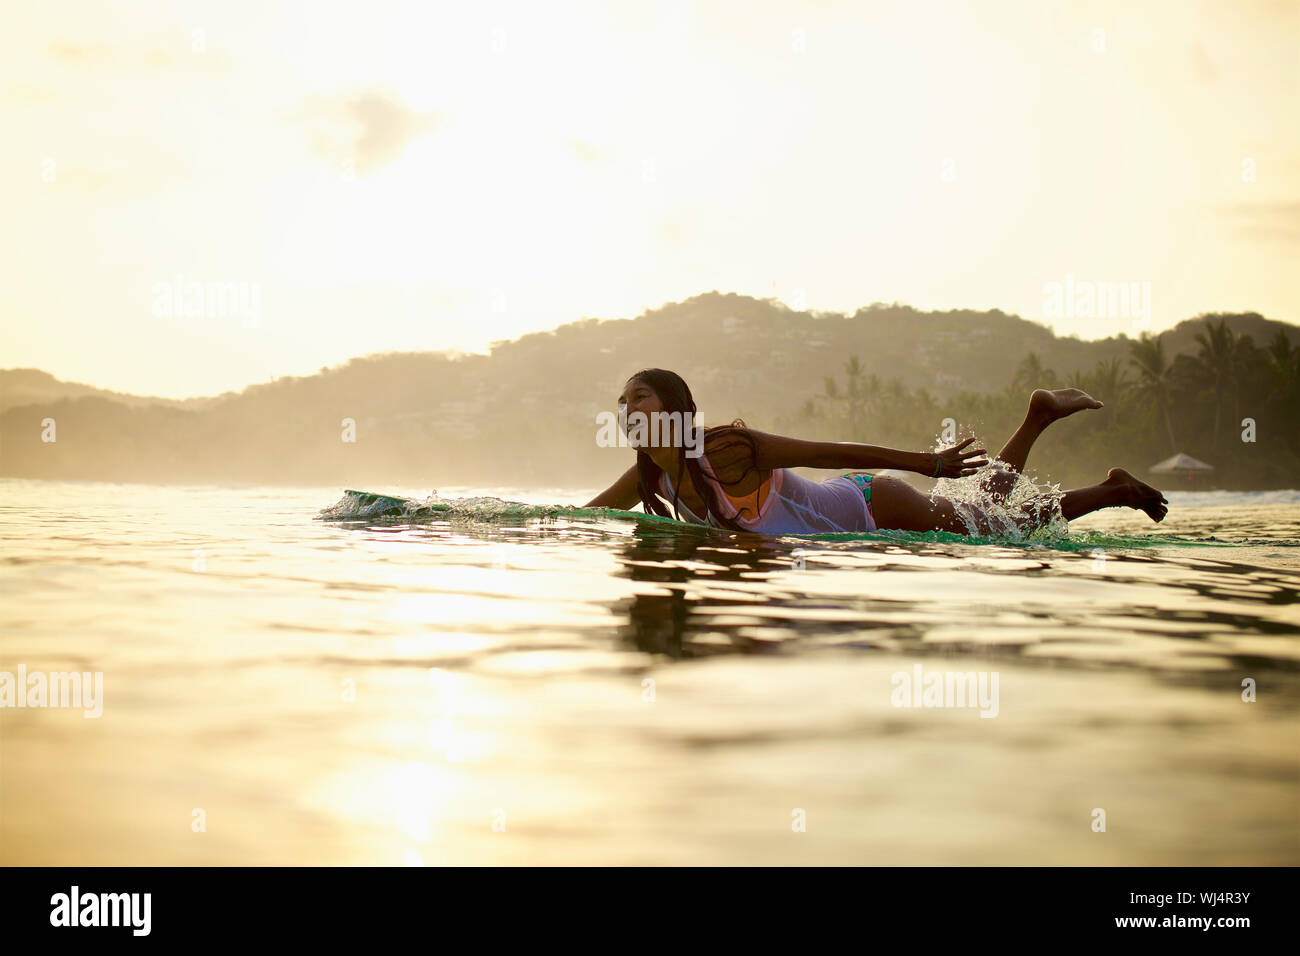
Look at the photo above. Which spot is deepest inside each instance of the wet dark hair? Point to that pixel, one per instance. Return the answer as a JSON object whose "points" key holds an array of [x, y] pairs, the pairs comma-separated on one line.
{"points": [[731, 450]]}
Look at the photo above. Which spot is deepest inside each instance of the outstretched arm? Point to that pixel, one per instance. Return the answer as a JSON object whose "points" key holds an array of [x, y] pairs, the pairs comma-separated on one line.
{"points": [[776, 451], [621, 494]]}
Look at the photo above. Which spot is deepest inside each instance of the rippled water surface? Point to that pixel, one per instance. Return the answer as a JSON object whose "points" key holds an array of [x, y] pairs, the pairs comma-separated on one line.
{"points": [[539, 685]]}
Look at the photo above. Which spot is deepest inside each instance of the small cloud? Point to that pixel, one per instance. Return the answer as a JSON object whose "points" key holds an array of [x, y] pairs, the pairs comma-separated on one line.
{"points": [[80, 53], [676, 232], [1281, 10], [585, 152], [372, 128], [1265, 220], [387, 126], [95, 54], [83, 178], [26, 93]]}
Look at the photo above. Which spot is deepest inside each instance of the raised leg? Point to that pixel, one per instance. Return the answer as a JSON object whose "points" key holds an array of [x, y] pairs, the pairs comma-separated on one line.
{"points": [[1045, 407]]}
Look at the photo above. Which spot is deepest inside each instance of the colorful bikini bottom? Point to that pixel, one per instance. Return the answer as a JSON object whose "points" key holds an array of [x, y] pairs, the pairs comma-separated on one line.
{"points": [[864, 485]]}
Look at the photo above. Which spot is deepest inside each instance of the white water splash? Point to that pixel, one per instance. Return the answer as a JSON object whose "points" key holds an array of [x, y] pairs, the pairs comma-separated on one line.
{"points": [[1004, 516], [356, 505]]}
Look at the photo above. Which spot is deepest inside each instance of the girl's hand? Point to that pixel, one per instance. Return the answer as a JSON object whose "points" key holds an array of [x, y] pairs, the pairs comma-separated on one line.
{"points": [[955, 463]]}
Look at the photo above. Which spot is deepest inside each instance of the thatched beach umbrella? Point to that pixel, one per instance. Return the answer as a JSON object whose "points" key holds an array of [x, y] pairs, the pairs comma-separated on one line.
{"points": [[1181, 464]]}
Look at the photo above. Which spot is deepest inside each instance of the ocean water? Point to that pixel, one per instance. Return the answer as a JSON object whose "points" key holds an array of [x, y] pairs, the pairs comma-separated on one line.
{"points": [[483, 683]]}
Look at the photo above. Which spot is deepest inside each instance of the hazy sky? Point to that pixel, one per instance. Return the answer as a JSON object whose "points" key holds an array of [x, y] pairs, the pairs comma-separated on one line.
{"points": [[442, 175]]}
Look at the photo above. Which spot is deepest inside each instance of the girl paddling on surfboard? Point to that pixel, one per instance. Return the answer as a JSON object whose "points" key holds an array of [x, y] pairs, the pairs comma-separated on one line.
{"points": [[742, 481]]}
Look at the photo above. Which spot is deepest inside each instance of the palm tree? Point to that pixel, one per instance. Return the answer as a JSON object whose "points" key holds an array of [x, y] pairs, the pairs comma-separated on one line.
{"points": [[1108, 382], [1147, 355], [1284, 370], [1246, 360], [871, 393], [854, 397], [1111, 380], [895, 395], [1031, 374], [1217, 358], [1282, 353]]}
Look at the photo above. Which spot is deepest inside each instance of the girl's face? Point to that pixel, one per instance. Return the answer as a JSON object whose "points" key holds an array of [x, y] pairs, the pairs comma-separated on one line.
{"points": [[638, 397]]}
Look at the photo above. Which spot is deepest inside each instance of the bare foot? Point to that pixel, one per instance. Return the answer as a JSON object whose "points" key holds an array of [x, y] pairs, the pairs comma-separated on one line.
{"points": [[1138, 494], [1051, 404]]}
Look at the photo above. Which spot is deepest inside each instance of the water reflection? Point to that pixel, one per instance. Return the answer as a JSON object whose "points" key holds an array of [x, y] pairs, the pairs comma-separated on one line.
{"points": [[290, 689], [691, 592], [667, 620]]}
